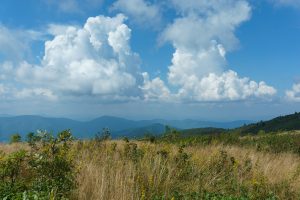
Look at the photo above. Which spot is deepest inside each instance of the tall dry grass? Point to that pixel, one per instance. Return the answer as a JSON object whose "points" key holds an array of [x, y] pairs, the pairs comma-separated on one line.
{"points": [[118, 170], [9, 148], [123, 171]]}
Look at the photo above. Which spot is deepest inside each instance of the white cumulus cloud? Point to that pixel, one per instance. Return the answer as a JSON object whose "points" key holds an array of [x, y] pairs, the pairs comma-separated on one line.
{"points": [[155, 90], [201, 37], [294, 93], [94, 60], [140, 11], [225, 87], [15, 44]]}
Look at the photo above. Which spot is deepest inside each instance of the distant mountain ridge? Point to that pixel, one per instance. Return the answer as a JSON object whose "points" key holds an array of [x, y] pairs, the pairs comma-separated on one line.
{"points": [[87, 129], [121, 127], [190, 123], [281, 123]]}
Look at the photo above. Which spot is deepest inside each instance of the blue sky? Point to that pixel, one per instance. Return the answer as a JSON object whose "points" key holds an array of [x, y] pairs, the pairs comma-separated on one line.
{"points": [[212, 60]]}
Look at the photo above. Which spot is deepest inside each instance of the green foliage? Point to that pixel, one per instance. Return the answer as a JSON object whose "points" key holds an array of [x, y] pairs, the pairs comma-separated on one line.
{"points": [[15, 138], [44, 172]]}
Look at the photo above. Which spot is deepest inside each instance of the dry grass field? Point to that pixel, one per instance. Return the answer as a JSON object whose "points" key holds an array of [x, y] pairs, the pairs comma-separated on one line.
{"points": [[130, 170], [117, 170]]}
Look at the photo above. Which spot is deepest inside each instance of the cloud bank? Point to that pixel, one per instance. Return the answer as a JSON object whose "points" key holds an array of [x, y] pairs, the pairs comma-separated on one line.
{"points": [[96, 61]]}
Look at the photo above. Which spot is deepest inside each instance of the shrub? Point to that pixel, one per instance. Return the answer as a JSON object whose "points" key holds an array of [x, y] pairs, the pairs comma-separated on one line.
{"points": [[15, 138], [44, 172]]}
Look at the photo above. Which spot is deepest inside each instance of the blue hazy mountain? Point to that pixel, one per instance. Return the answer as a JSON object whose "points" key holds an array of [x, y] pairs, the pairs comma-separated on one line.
{"points": [[26, 124], [190, 123], [87, 129], [153, 129]]}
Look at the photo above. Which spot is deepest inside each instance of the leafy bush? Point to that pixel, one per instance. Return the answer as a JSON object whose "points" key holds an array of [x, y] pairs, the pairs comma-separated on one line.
{"points": [[46, 171]]}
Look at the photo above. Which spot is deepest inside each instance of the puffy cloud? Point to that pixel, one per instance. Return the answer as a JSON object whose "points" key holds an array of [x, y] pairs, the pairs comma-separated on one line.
{"points": [[94, 60], [155, 90], [201, 36], [10, 89], [294, 93], [215, 20], [225, 87], [140, 11], [15, 44], [187, 63], [58, 29]]}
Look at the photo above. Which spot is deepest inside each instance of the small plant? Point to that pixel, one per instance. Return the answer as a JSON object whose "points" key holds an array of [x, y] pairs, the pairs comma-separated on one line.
{"points": [[15, 138]]}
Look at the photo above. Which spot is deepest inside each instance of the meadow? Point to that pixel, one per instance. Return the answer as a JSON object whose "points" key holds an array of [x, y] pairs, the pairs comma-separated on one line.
{"points": [[222, 166]]}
